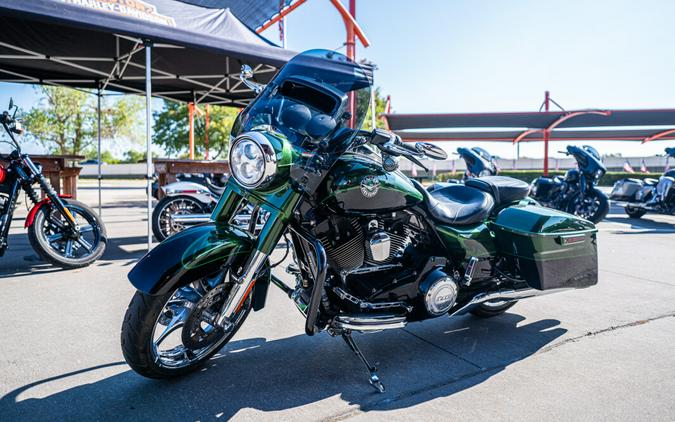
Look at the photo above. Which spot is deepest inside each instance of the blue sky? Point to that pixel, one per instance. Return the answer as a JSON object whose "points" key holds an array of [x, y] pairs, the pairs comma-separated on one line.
{"points": [[480, 55], [488, 55]]}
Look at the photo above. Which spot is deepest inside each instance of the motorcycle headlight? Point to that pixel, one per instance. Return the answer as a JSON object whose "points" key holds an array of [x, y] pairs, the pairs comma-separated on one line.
{"points": [[598, 174], [253, 160]]}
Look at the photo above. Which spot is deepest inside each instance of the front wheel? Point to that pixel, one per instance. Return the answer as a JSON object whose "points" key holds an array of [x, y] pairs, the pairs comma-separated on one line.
{"points": [[593, 205], [634, 212], [170, 335], [51, 238]]}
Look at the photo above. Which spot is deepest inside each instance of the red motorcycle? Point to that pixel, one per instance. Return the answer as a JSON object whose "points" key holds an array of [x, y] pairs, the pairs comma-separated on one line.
{"points": [[64, 232]]}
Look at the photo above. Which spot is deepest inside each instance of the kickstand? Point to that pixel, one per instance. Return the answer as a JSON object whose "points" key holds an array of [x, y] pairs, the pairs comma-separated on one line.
{"points": [[374, 379]]}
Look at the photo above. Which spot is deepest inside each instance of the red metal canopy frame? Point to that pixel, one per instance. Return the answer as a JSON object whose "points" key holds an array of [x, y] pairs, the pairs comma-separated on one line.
{"points": [[576, 125]]}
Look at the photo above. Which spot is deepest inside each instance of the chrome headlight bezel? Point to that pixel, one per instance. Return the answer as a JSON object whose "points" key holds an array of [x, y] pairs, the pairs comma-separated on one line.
{"points": [[268, 155]]}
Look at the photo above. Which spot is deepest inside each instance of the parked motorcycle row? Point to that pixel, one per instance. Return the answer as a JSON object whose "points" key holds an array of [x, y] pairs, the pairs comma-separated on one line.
{"points": [[370, 248]]}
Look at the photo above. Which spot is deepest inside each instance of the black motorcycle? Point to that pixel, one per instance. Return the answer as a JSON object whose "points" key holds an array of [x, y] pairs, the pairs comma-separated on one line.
{"points": [[649, 195], [370, 248], [576, 192], [62, 231], [479, 162]]}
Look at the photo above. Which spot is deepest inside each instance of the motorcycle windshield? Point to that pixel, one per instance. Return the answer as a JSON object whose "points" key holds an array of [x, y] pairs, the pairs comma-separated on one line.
{"points": [[592, 151], [319, 95]]}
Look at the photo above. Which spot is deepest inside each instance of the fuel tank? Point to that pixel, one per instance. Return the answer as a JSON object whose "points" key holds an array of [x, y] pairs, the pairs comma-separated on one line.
{"points": [[359, 185]]}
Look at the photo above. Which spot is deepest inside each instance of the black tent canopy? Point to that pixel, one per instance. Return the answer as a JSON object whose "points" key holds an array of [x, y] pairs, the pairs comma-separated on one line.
{"points": [[197, 55], [191, 53], [253, 13]]}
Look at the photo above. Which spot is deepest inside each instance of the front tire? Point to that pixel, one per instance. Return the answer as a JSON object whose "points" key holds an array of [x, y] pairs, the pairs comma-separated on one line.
{"points": [[179, 310], [634, 212], [48, 238], [593, 206]]}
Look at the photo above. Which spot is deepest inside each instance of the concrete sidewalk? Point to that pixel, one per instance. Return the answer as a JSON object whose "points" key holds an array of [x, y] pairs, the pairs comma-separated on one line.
{"points": [[605, 353]]}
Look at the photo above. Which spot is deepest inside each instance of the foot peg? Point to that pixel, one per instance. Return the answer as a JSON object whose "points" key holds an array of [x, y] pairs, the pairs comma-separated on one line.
{"points": [[374, 380]]}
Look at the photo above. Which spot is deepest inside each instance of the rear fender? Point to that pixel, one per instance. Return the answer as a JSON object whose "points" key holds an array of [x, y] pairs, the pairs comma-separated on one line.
{"points": [[189, 255], [199, 192], [30, 218]]}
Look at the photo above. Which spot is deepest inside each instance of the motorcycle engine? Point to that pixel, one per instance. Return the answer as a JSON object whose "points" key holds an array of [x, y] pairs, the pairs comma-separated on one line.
{"points": [[362, 242]]}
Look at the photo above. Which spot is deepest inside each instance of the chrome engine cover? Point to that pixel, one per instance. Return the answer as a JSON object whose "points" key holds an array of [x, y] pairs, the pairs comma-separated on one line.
{"points": [[380, 246], [441, 296]]}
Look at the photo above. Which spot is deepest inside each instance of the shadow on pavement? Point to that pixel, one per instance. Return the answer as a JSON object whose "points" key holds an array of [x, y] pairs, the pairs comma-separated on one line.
{"points": [[642, 224], [297, 371], [21, 260]]}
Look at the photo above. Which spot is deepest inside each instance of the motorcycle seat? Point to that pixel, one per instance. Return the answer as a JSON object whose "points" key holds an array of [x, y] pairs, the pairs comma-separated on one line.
{"points": [[457, 204], [503, 189]]}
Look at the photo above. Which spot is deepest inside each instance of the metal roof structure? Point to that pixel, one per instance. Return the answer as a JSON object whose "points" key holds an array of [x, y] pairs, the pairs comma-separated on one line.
{"points": [[587, 125]]}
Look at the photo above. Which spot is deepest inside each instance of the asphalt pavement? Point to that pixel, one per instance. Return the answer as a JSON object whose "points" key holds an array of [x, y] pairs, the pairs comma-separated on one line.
{"points": [[604, 353]]}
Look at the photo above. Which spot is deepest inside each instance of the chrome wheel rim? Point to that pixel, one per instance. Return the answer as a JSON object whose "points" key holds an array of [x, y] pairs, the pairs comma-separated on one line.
{"points": [[586, 206], [178, 206], [54, 233], [168, 347]]}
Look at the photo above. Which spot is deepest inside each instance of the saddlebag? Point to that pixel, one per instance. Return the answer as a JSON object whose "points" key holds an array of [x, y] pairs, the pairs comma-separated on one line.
{"points": [[625, 189], [549, 249]]}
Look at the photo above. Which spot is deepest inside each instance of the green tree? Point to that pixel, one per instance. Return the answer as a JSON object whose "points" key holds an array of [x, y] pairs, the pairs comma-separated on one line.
{"points": [[106, 156], [171, 129], [65, 121], [133, 156]]}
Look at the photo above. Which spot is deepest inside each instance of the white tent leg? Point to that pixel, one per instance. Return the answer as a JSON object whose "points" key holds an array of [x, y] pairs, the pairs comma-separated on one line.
{"points": [[148, 135], [98, 149]]}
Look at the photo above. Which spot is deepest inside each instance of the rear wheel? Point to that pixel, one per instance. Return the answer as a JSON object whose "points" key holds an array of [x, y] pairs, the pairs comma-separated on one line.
{"points": [[163, 224], [634, 212], [170, 335], [593, 205], [493, 308], [50, 236]]}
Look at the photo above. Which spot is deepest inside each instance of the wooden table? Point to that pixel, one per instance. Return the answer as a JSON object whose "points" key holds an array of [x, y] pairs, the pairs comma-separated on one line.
{"points": [[57, 167], [167, 169]]}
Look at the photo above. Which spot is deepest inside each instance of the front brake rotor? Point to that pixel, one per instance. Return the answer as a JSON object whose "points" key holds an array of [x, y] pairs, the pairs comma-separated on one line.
{"points": [[200, 329]]}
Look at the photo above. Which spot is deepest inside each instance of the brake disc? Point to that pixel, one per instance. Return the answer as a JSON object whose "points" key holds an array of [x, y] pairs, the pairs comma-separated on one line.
{"points": [[200, 329]]}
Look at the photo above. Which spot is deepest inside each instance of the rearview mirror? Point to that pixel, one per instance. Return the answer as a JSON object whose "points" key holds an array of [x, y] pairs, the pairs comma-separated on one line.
{"points": [[245, 75], [11, 103], [246, 72], [432, 151]]}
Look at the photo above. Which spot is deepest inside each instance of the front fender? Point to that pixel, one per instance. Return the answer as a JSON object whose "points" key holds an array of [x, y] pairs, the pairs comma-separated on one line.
{"points": [[189, 255], [33, 211]]}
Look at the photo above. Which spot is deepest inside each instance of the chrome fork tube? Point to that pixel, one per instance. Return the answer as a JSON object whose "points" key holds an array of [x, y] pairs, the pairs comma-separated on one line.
{"points": [[242, 286]]}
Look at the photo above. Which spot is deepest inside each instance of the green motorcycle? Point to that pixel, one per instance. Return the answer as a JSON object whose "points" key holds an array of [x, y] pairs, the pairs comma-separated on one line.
{"points": [[371, 249]]}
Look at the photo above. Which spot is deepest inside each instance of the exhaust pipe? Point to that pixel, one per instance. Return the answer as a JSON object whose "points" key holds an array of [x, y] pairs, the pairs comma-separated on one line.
{"points": [[369, 322], [502, 295], [190, 219]]}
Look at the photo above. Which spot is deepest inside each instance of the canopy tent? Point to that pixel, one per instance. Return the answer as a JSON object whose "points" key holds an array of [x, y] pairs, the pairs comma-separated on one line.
{"points": [[575, 125], [192, 53], [197, 56], [254, 13]]}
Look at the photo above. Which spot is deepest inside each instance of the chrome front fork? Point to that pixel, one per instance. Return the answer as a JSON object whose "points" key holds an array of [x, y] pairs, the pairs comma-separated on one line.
{"points": [[241, 288]]}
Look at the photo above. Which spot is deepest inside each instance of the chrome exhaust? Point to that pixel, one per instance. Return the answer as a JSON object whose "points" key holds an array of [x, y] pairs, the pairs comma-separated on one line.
{"points": [[501, 295], [190, 219], [369, 322]]}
